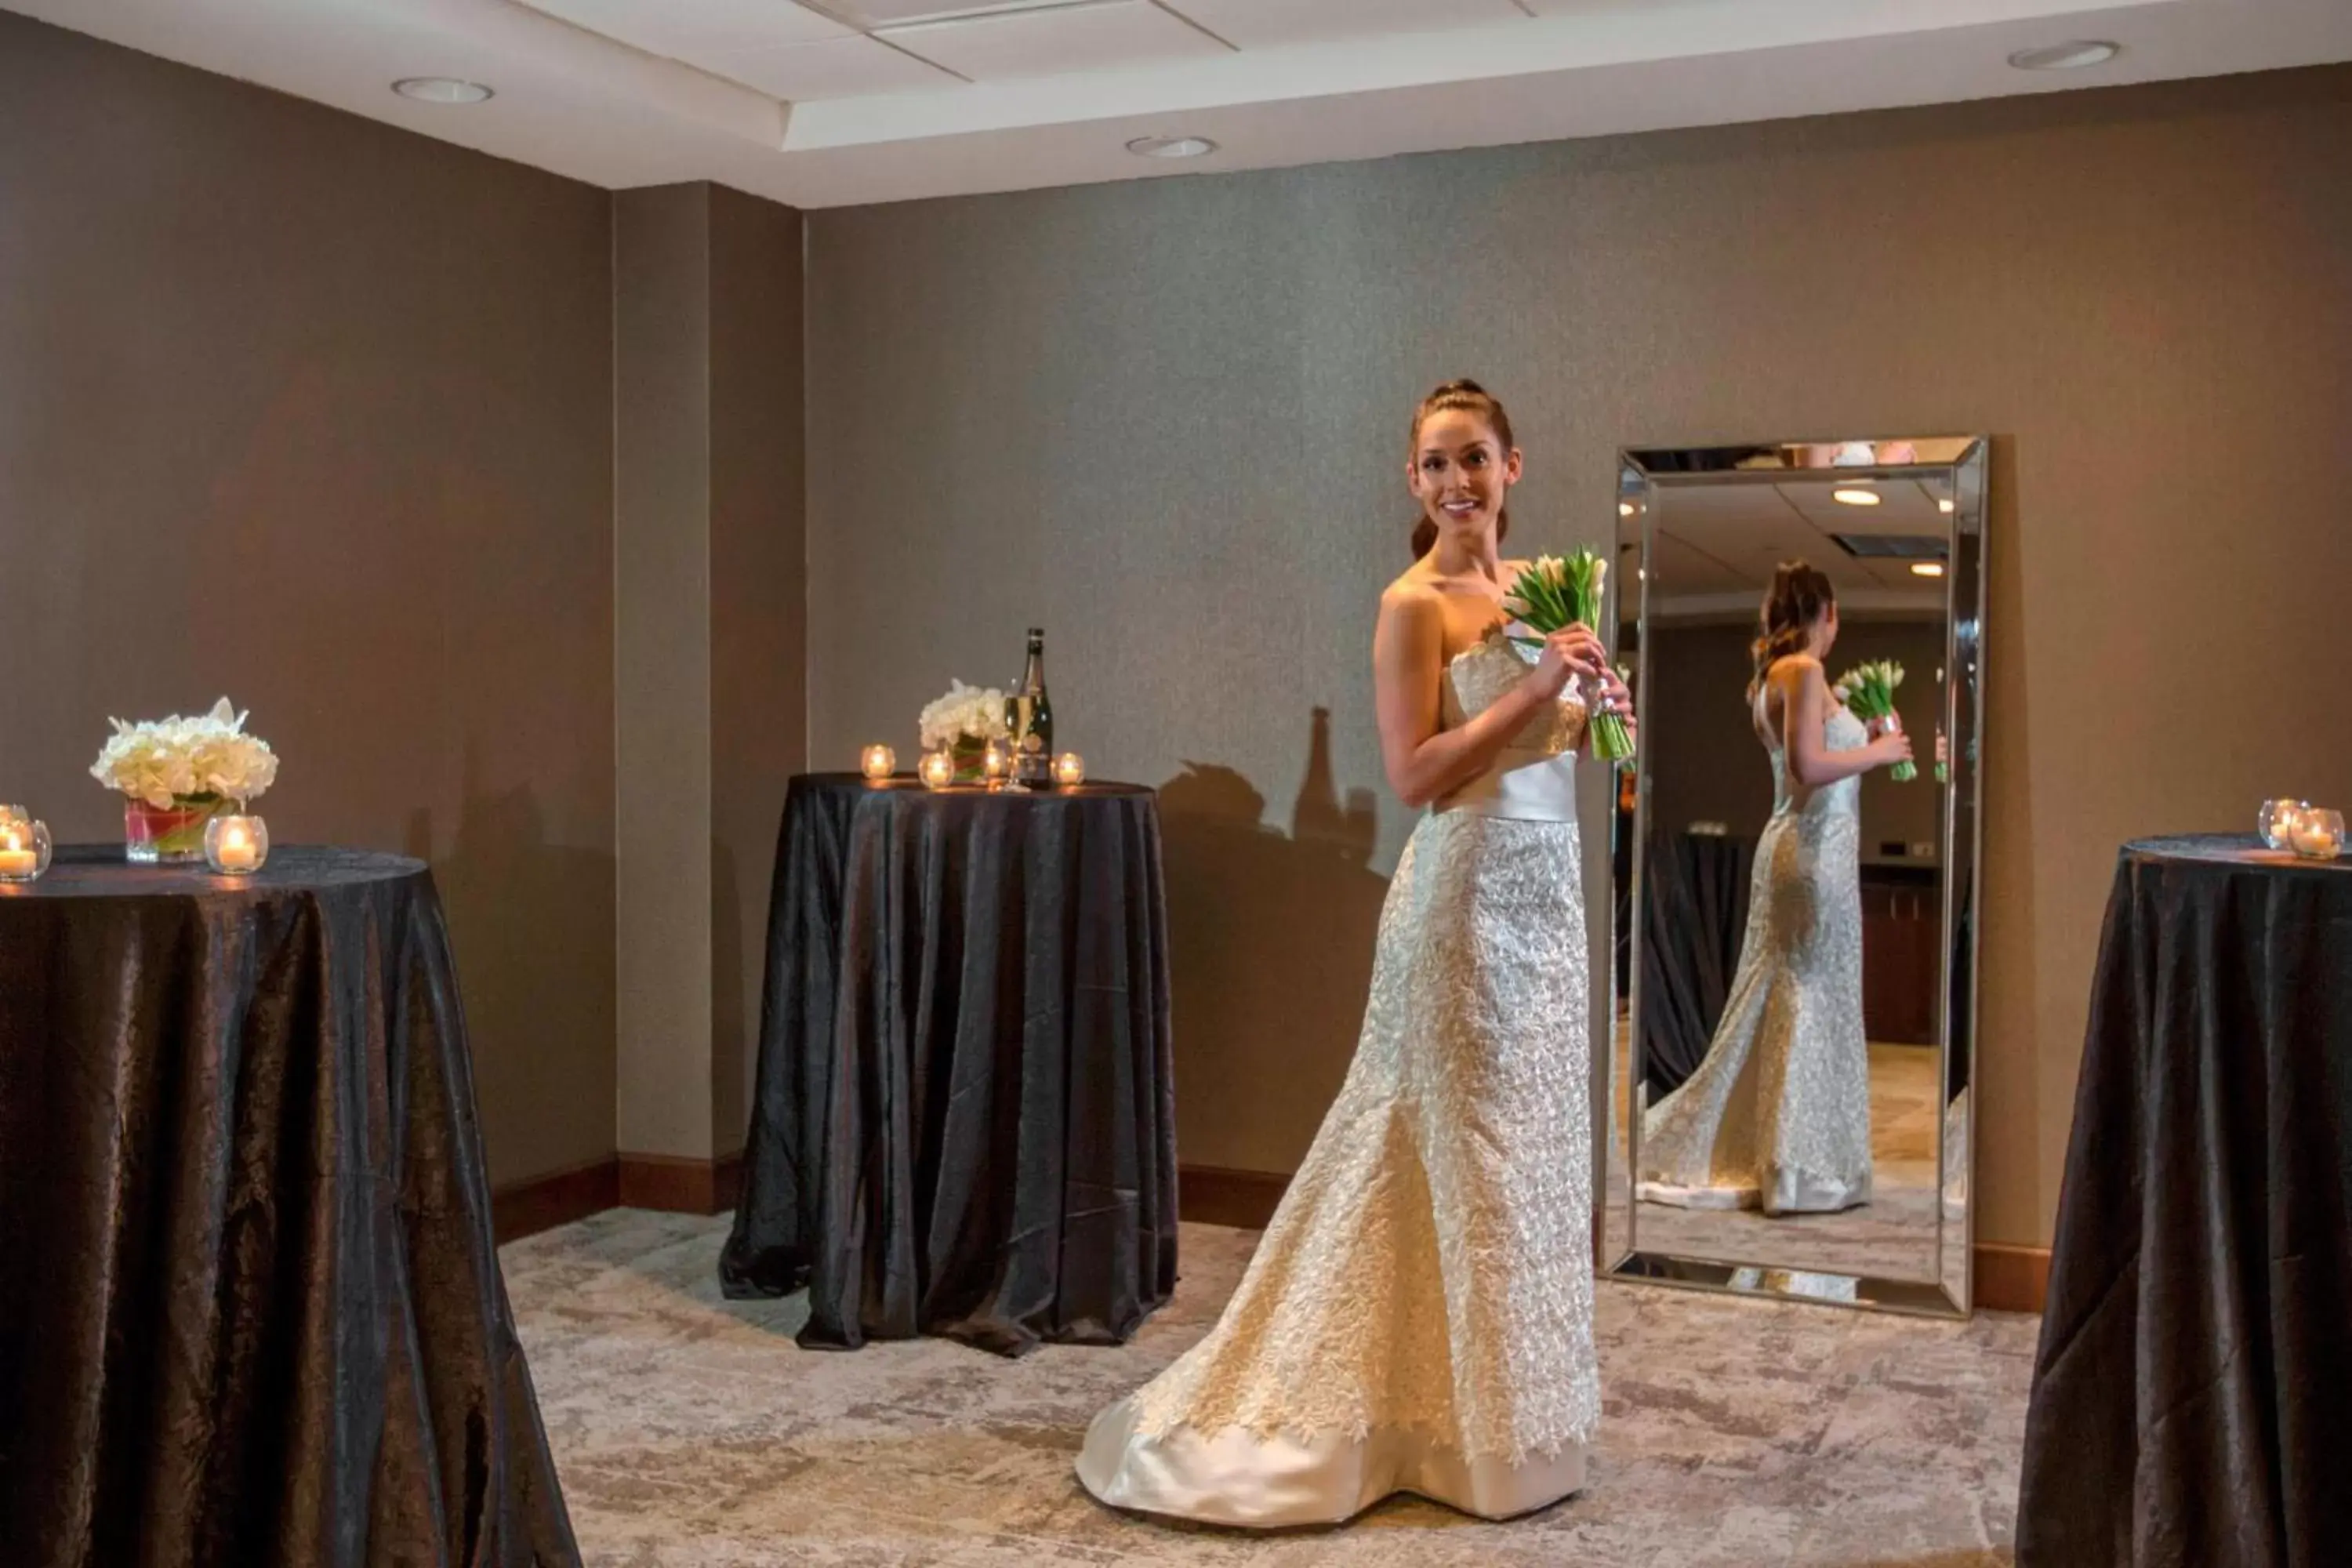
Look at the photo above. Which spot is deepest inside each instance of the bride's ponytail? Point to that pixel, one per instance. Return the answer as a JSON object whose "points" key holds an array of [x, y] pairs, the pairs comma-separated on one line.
{"points": [[1799, 598]]}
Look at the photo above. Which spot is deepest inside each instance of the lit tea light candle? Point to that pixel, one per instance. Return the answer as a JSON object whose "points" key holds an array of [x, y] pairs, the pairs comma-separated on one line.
{"points": [[995, 763], [879, 763], [1069, 770], [2277, 822], [937, 770], [2318, 835], [236, 845], [19, 861]]}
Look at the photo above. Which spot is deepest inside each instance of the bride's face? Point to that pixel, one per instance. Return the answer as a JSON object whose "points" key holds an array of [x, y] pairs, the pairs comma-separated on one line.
{"points": [[1461, 472]]}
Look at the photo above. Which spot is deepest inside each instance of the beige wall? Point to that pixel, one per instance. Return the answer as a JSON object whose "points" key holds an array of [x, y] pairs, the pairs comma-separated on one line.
{"points": [[711, 643], [317, 414], [1164, 420], [759, 629]]}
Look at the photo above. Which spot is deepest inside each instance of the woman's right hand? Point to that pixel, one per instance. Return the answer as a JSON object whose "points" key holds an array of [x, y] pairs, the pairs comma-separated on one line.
{"points": [[1574, 653], [1889, 749]]}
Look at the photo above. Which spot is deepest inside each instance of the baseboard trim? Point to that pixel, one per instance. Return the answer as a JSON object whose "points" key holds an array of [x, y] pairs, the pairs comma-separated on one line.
{"points": [[1212, 1194], [662, 1182], [2011, 1278], [2008, 1278], [542, 1203], [673, 1184]]}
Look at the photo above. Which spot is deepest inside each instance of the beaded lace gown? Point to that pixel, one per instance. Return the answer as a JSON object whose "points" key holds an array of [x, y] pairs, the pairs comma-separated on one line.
{"points": [[1418, 1316], [1777, 1115]]}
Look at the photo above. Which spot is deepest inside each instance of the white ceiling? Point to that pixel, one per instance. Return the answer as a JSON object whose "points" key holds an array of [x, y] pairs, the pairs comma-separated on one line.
{"points": [[1716, 546], [839, 102]]}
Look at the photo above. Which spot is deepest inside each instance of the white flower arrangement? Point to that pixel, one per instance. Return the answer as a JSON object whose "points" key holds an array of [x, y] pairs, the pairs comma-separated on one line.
{"points": [[966, 714], [168, 761]]}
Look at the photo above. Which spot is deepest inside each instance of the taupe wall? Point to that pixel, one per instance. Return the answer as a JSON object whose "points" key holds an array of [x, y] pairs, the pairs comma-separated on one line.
{"points": [[317, 414], [1165, 420], [759, 627], [711, 716]]}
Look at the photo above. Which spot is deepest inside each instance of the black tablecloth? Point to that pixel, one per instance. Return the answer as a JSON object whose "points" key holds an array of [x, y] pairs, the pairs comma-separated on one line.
{"points": [[1694, 920], [2192, 1397], [964, 1123], [250, 1313]]}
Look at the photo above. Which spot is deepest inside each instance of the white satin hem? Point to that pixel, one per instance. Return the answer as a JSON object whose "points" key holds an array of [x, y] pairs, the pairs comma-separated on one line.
{"points": [[1793, 1192], [1236, 1477]]}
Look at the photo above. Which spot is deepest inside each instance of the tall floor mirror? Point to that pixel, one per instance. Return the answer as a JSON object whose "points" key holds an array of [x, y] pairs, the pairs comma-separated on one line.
{"points": [[1796, 943]]}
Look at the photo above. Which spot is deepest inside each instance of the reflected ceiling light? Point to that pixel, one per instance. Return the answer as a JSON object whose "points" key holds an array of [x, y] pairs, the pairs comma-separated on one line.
{"points": [[1855, 497], [1927, 568], [441, 89], [1171, 146], [2072, 56], [1624, 508], [1944, 505]]}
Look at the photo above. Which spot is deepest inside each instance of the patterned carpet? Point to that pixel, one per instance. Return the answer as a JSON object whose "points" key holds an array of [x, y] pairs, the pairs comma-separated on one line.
{"points": [[691, 1433]]}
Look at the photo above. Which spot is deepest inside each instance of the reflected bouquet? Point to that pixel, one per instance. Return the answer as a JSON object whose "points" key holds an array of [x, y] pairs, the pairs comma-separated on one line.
{"points": [[1553, 594], [1869, 689]]}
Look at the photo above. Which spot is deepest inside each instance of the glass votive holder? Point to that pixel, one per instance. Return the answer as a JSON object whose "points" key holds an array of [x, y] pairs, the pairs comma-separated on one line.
{"points": [[236, 846], [2277, 823], [996, 763], [1069, 770], [2317, 834], [878, 762], [937, 770], [25, 847]]}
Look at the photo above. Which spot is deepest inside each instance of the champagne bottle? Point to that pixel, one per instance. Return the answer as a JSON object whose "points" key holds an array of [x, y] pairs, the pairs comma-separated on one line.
{"points": [[1031, 718]]}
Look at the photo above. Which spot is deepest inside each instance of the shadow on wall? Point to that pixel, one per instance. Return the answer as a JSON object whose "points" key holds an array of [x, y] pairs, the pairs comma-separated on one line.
{"points": [[531, 925], [1271, 940]]}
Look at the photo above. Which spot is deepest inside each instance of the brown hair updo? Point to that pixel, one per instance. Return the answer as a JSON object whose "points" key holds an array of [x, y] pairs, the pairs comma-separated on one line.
{"points": [[1800, 597], [1469, 398]]}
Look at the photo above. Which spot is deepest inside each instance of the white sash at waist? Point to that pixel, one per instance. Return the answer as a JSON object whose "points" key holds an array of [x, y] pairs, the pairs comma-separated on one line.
{"points": [[1524, 785]]}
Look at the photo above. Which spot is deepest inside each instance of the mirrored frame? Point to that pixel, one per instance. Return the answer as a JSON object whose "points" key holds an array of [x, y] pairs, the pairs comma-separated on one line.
{"points": [[1648, 479]]}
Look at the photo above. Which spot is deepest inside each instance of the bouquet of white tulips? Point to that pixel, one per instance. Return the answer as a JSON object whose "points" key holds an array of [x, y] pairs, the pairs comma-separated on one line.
{"points": [[1869, 689], [1553, 595]]}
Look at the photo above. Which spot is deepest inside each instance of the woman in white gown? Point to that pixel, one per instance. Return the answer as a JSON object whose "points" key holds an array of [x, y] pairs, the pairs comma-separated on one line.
{"points": [[1418, 1316], [1777, 1115]]}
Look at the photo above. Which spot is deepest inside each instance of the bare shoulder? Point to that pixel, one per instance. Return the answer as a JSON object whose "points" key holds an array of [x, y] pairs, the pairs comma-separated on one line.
{"points": [[1413, 598], [1794, 668]]}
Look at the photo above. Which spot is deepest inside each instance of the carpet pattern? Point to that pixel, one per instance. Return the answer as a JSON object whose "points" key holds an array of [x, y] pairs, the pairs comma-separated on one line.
{"points": [[691, 1432]]}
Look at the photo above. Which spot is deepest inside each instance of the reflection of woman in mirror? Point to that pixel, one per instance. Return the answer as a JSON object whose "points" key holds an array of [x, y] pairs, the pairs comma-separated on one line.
{"points": [[1778, 1114]]}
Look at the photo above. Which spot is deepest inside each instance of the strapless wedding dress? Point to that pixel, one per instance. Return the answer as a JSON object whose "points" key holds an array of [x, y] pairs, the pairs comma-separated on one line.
{"points": [[1777, 1115], [1418, 1316]]}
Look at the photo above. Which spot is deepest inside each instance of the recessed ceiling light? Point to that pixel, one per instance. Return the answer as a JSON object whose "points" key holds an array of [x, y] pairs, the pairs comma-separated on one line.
{"points": [[1855, 498], [1927, 568], [1171, 146], [440, 89], [2072, 56], [1944, 505]]}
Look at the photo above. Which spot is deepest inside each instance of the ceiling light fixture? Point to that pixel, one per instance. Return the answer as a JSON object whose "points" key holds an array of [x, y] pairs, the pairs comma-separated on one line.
{"points": [[1855, 498], [1624, 508], [1927, 568], [2072, 56], [1944, 505], [441, 89], [1171, 146]]}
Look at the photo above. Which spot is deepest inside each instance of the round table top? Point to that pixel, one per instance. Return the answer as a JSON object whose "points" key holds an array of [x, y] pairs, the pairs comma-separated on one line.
{"points": [[100, 871], [908, 783], [2241, 851]]}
